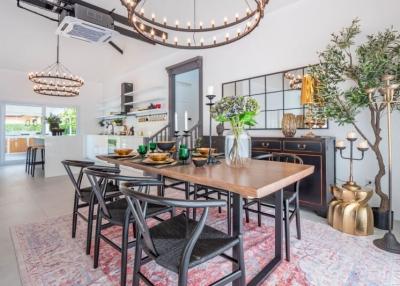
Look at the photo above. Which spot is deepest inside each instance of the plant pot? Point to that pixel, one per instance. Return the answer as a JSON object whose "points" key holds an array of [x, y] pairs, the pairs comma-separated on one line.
{"points": [[381, 219]]}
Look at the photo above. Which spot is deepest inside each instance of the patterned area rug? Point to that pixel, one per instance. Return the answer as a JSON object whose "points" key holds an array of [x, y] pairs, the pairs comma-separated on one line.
{"points": [[47, 255]]}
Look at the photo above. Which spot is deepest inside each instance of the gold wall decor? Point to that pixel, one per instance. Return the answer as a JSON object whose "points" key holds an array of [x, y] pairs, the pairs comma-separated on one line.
{"points": [[349, 211], [289, 124]]}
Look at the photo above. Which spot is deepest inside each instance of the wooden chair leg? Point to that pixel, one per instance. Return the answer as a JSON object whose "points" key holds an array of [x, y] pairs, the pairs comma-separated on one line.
{"points": [[259, 212], [287, 228], [90, 224], [124, 250], [138, 262], [97, 241], [75, 215], [246, 211]]}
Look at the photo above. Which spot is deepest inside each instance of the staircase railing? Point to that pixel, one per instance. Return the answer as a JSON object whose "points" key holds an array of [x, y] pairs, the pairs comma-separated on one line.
{"points": [[191, 136], [162, 135]]}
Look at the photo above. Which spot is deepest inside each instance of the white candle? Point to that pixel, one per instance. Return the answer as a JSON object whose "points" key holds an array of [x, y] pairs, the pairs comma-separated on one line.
{"points": [[210, 90], [340, 144], [363, 145], [176, 121], [186, 121], [351, 135]]}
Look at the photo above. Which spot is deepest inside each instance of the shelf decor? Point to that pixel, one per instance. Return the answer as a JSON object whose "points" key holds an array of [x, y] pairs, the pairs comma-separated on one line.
{"points": [[238, 111], [194, 34], [349, 211], [344, 79], [56, 79]]}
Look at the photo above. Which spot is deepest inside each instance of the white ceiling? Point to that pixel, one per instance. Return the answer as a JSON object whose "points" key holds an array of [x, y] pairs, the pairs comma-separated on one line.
{"points": [[28, 43]]}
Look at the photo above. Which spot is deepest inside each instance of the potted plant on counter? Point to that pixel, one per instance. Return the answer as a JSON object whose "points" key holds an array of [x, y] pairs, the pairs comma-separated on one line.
{"points": [[54, 124], [344, 74], [238, 111]]}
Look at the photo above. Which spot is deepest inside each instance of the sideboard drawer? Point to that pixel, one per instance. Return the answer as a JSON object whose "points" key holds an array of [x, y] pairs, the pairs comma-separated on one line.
{"points": [[274, 145], [302, 146]]}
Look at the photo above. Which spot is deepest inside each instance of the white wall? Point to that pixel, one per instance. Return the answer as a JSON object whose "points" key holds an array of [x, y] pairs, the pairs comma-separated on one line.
{"points": [[287, 38]]}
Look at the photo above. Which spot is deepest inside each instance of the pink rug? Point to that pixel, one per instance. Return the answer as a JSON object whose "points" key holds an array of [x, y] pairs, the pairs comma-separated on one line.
{"points": [[47, 255]]}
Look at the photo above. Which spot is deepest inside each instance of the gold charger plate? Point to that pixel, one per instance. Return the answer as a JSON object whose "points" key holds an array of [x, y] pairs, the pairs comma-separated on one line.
{"points": [[195, 154], [151, 162], [116, 156]]}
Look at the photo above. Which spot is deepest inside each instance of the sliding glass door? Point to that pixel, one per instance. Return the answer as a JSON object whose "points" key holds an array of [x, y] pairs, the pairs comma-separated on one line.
{"points": [[23, 127]]}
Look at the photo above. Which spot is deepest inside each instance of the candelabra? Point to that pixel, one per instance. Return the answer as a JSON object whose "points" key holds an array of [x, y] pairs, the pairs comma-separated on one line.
{"points": [[211, 159], [362, 147], [385, 96], [176, 135]]}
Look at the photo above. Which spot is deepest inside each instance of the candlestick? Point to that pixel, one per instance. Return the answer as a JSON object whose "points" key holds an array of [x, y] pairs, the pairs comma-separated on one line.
{"points": [[210, 97], [186, 121], [340, 144], [363, 145], [351, 136]]}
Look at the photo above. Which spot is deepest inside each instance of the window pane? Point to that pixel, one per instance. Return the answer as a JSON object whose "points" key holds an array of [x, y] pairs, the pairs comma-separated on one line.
{"points": [[292, 99], [67, 117], [274, 100], [242, 87], [260, 99], [229, 89], [260, 119], [274, 119], [274, 82], [257, 85]]}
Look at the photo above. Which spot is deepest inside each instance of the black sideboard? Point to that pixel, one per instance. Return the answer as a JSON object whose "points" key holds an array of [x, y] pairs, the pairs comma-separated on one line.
{"points": [[320, 152]]}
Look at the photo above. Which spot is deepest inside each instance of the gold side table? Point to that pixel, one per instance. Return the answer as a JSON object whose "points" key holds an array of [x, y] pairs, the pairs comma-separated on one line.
{"points": [[349, 211]]}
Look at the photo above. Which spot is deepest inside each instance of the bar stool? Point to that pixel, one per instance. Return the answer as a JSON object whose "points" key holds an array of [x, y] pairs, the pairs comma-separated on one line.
{"points": [[31, 156]]}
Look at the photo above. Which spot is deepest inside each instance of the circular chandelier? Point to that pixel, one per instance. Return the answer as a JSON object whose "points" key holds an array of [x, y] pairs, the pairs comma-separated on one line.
{"points": [[194, 34], [56, 79]]}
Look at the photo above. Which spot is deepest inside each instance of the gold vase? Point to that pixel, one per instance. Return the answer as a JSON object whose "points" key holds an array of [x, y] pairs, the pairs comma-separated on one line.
{"points": [[289, 125], [349, 211]]}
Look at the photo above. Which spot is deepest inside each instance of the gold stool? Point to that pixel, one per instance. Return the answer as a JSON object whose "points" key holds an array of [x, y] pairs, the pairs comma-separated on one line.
{"points": [[349, 211]]}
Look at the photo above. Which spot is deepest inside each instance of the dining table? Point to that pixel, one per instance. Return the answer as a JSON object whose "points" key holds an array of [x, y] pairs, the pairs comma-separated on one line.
{"points": [[257, 179]]}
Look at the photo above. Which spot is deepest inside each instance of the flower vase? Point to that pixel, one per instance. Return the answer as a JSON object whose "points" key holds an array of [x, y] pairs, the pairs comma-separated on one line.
{"points": [[237, 148]]}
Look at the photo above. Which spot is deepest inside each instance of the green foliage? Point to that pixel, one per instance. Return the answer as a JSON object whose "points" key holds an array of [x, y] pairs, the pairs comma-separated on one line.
{"points": [[69, 121], [19, 127], [238, 110], [345, 71], [53, 119]]}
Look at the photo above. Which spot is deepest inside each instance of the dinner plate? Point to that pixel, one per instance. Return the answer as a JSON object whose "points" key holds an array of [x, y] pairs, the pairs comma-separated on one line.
{"points": [[195, 154], [151, 162], [116, 156]]}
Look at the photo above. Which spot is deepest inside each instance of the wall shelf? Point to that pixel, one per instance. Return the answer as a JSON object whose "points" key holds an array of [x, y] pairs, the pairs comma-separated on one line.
{"points": [[144, 101], [148, 112], [109, 117], [144, 90]]}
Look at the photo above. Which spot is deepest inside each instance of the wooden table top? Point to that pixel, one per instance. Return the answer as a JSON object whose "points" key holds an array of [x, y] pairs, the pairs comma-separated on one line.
{"points": [[258, 179]]}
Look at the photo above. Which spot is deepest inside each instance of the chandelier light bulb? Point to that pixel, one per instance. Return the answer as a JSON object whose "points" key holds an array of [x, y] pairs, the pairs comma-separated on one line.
{"points": [[176, 41], [202, 41], [213, 23], [177, 23], [237, 16], [248, 11], [225, 20], [215, 40], [201, 25], [142, 11], [188, 24], [153, 16], [238, 32], [227, 36], [165, 21]]}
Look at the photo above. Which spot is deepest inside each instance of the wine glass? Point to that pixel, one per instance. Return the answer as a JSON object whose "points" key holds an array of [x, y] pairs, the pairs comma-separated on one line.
{"points": [[183, 154], [142, 150], [152, 146]]}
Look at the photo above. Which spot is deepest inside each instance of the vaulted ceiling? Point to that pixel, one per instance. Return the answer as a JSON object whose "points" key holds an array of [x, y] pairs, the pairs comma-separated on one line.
{"points": [[28, 43]]}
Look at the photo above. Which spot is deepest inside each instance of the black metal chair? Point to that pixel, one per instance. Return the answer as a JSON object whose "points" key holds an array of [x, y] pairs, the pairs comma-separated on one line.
{"points": [[290, 197], [180, 243], [116, 213], [83, 195]]}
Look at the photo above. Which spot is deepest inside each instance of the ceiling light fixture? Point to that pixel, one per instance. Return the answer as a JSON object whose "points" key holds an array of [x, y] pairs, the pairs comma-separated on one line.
{"points": [[196, 30], [56, 79]]}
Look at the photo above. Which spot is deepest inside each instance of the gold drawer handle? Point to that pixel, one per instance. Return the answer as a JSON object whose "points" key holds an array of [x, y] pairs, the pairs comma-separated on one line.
{"points": [[263, 144], [302, 146]]}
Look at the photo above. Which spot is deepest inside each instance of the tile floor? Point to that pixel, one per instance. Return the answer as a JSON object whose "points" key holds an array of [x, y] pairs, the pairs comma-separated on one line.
{"points": [[24, 199]]}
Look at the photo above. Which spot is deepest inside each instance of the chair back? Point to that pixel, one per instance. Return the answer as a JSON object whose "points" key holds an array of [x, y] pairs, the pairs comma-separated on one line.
{"points": [[140, 198], [76, 181], [281, 157]]}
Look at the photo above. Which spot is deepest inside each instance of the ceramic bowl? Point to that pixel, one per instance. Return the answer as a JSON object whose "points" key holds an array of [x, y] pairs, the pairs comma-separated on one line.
{"points": [[205, 151], [123, 151], [165, 145], [199, 162], [158, 156]]}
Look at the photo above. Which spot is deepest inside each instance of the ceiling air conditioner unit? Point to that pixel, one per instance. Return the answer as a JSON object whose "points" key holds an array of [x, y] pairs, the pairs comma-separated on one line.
{"points": [[86, 24]]}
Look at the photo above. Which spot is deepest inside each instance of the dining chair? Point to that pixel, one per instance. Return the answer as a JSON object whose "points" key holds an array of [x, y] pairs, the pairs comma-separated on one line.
{"points": [[116, 213], [83, 195], [180, 243], [290, 197]]}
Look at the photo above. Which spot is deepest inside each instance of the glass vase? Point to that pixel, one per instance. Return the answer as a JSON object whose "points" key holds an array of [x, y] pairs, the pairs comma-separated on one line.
{"points": [[237, 148]]}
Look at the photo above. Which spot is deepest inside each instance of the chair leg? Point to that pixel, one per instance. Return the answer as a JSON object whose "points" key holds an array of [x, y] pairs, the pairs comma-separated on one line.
{"points": [[183, 278], [27, 161], [97, 241], [287, 228], [75, 215], [259, 212], [195, 198], [229, 213], [241, 262], [90, 223], [42, 153], [138, 261], [187, 197], [219, 198], [124, 249], [246, 211], [33, 161], [298, 226]]}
